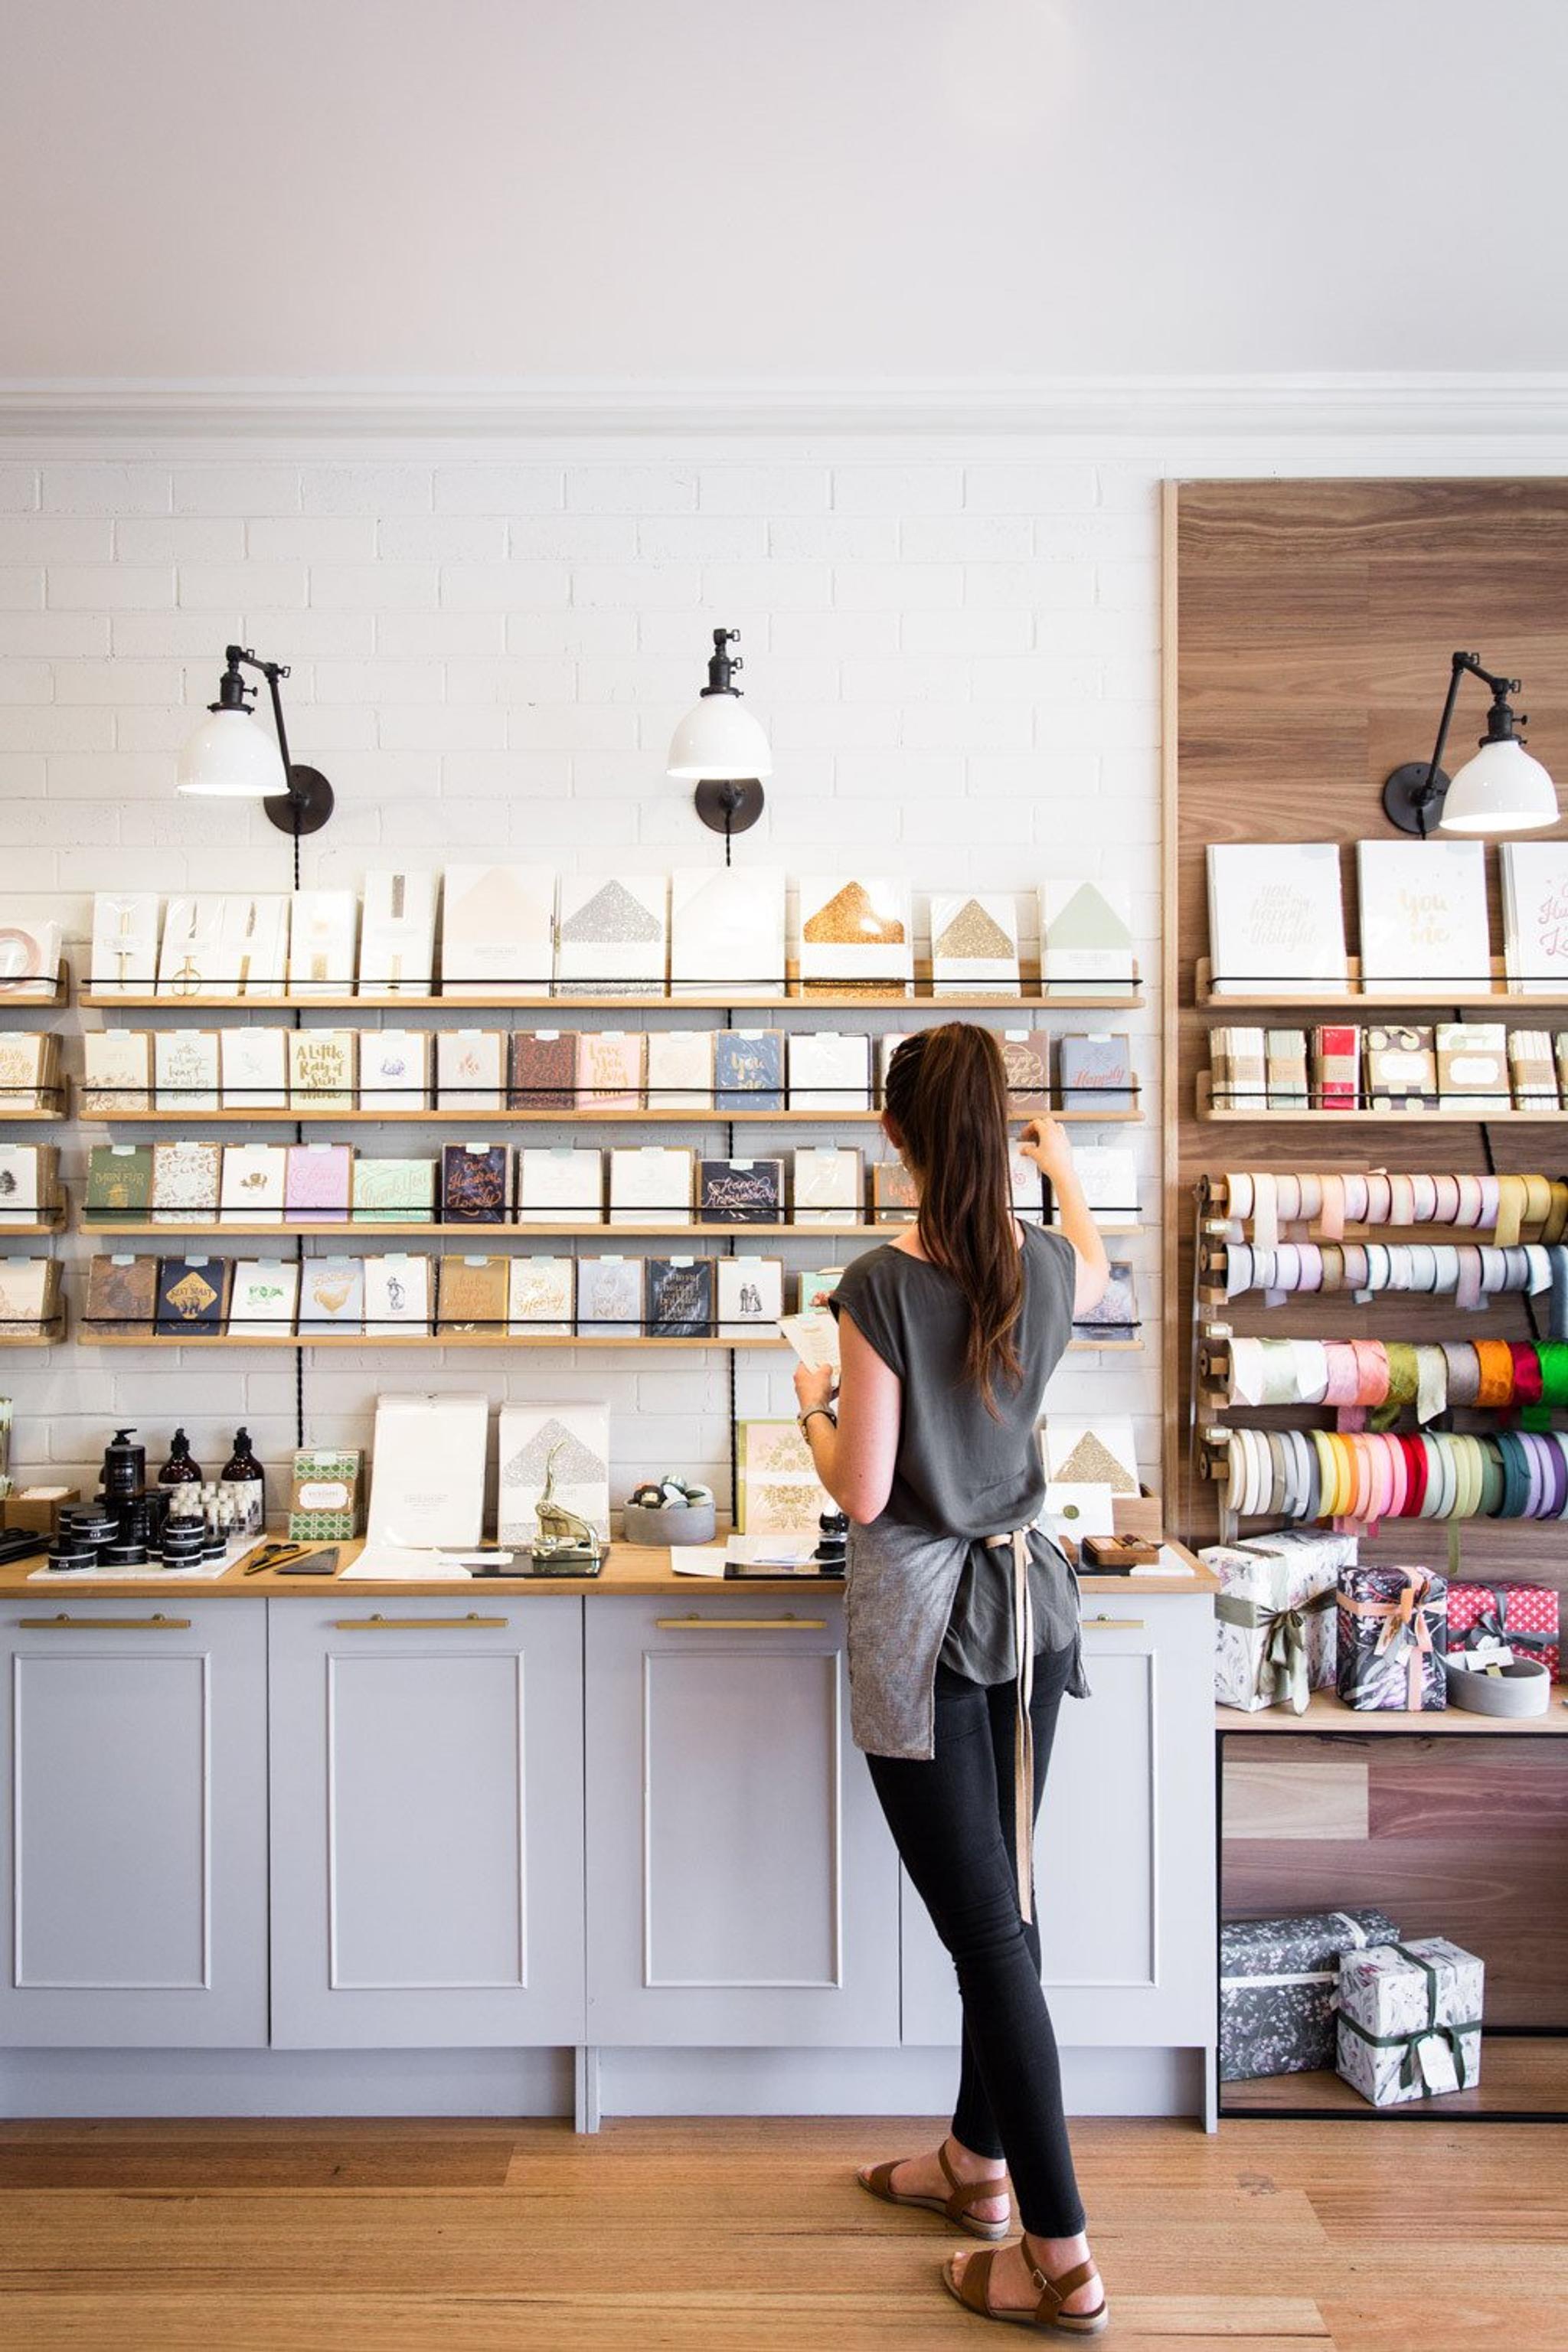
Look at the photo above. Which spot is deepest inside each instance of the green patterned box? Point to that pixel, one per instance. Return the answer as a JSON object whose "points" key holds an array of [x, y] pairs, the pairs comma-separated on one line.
{"points": [[324, 1506]]}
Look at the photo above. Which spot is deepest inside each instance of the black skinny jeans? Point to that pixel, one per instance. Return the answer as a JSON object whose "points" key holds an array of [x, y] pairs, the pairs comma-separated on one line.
{"points": [[952, 1820]]}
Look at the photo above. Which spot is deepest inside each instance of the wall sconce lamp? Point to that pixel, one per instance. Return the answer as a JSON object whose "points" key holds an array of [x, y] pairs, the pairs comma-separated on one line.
{"points": [[1500, 790], [230, 757], [721, 749]]}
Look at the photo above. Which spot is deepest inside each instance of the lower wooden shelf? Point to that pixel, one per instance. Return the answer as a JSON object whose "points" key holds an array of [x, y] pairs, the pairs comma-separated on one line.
{"points": [[1525, 2078], [747, 1340], [1327, 1714], [1207, 1108]]}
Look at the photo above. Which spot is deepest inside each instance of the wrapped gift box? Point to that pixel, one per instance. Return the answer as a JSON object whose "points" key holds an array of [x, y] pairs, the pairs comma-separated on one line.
{"points": [[1523, 1617], [1410, 2021], [1274, 1622], [1392, 1630], [1278, 1984]]}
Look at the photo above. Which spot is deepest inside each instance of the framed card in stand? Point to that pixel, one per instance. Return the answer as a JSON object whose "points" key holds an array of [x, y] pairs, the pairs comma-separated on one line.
{"points": [[190, 957], [542, 1297], [472, 1295], [973, 943], [323, 926], [264, 1298], [427, 1471], [121, 1299], [398, 934], [253, 1188], [856, 935], [610, 1069], [566, 1446], [253, 1068], [1026, 1063], [543, 1069], [186, 1178], [611, 935], [740, 1191], [186, 1068], [475, 1183], [124, 942], [394, 1069], [398, 1300], [560, 1184], [393, 1192], [829, 1186], [253, 946], [498, 930], [323, 1499], [651, 1184], [679, 1301], [749, 1294], [193, 1295], [1086, 938], [318, 1181], [830, 1070], [609, 1297], [470, 1069], [727, 932], [1102, 1452], [322, 1069], [116, 1072], [119, 1180], [815, 1287], [27, 1175], [748, 1069], [680, 1069]]}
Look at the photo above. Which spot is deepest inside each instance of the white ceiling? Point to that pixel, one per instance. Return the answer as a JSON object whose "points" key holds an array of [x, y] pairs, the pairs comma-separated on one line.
{"points": [[778, 189]]}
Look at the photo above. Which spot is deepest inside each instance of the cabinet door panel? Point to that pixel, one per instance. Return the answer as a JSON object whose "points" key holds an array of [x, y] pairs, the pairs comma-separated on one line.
{"points": [[136, 1853], [427, 1825], [742, 1887]]}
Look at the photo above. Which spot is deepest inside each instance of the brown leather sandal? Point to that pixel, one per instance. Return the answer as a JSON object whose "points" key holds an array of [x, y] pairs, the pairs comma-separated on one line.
{"points": [[877, 2180], [972, 2288]]}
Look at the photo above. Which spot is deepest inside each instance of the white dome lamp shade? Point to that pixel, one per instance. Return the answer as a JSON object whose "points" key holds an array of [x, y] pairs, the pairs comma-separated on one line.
{"points": [[231, 757], [720, 748], [1501, 790]]}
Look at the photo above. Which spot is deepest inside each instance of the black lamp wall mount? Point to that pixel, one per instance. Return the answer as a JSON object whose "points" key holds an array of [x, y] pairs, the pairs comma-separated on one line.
{"points": [[730, 804], [1412, 795], [309, 801]]}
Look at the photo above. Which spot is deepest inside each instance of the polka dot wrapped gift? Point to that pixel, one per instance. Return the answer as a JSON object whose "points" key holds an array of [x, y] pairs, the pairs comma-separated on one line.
{"points": [[1522, 1616]]}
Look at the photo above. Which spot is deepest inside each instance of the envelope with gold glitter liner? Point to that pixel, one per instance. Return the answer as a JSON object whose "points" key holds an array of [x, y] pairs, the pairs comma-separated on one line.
{"points": [[856, 937]]}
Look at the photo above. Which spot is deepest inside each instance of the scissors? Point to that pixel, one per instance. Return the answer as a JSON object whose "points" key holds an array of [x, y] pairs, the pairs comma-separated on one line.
{"points": [[274, 1555]]}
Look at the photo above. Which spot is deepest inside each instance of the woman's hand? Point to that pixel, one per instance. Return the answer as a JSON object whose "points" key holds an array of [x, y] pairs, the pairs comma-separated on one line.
{"points": [[812, 1388], [1045, 1141]]}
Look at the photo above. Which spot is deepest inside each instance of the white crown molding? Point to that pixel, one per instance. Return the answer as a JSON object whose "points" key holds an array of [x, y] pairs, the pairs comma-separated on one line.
{"points": [[1386, 403]]}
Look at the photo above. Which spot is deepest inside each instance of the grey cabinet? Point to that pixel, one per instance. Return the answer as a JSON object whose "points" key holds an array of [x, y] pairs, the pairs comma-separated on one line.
{"points": [[743, 1889], [427, 1820], [1124, 1848], [133, 1848]]}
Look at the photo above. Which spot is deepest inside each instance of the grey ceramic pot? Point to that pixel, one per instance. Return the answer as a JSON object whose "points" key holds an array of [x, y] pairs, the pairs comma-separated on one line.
{"points": [[676, 1522]]}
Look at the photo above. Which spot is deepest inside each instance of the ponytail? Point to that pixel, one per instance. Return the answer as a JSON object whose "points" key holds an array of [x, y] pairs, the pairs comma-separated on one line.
{"points": [[946, 1092]]}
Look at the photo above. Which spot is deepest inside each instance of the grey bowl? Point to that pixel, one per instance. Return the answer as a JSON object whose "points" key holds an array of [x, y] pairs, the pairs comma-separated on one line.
{"points": [[676, 1522]]}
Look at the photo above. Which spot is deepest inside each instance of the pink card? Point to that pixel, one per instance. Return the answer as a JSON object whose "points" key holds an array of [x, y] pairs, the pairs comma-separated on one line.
{"points": [[317, 1179]]}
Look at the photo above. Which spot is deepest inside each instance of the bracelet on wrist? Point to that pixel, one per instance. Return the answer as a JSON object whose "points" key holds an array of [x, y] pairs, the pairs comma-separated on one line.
{"points": [[810, 1414]]}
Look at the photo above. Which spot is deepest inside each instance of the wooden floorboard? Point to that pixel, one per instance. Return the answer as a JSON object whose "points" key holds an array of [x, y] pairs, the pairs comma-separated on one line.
{"points": [[723, 2236]]}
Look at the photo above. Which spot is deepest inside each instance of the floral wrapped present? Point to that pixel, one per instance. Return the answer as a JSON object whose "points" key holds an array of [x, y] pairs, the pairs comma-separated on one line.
{"points": [[1492, 1618], [1392, 1632], [1410, 2021], [1274, 1622], [1278, 1984]]}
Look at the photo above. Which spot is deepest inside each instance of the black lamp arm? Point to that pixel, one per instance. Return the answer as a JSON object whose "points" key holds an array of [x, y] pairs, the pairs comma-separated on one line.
{"points": [[1501, 722], [305, 802]]}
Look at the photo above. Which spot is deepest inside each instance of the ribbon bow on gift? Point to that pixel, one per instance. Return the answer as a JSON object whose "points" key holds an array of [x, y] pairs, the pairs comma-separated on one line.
{"points": [[1492, 1626], [1406, 1624], [1445, 2030], [1284, 1652]]}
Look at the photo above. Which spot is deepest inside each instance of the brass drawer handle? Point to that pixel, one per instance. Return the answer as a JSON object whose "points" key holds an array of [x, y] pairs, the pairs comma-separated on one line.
{"points": [[1114, 1624], [695, 1625], [156, 1624], [379, 1624]]}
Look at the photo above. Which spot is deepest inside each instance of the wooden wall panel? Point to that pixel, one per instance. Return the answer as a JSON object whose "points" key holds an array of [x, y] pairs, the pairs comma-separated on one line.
{"points": [[1308, 633]]}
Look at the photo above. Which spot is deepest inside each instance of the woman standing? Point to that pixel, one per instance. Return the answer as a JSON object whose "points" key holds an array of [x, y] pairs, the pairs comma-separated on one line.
{"points": [[963, 1628]]}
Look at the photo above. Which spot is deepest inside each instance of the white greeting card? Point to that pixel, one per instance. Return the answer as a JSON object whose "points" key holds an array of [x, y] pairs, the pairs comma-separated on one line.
{"points": [[1535, 916], [540, 1297], [651, 1184], [727, 931], [1076, 1509], [29, 957], [497, 930], [264, 1298], [116, 1072], [609, 1297], [855, 932], [322, 928], [185, 1176], [829, 1186], [321, 1068], [398, 934], [1086, 938], [427, 1471], [611, 934], [1276, 918], [25, 1284], [252, 1185], [679, 1069], [124, 942], [830, 1070], [190, 961], [470, 1069], [396, 1295], [332, 1295], [394, 1068], [19, 1189], [751, 1294], [566, 1446], [185, 1066], [559, 1185], [1108, 1175], [973, 942], [1424, 928], [253, 946], [253, 1065]]}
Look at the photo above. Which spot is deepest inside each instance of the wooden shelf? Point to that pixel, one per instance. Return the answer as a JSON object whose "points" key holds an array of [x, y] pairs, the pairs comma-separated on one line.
{"points": [[1325, 1713], [1414, 1119], [361, 1339], [1501, 996], [1523, 2075], [35, 1118], [472, 1122], [362, 1229], [1032, 998], [21, 998]]}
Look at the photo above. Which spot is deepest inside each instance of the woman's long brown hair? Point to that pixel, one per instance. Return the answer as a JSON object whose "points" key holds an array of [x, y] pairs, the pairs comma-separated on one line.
{"points": [[946, 1092]]}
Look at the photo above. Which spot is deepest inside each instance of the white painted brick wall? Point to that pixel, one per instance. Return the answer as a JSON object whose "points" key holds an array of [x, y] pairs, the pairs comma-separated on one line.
{"points": [[954, 653]]}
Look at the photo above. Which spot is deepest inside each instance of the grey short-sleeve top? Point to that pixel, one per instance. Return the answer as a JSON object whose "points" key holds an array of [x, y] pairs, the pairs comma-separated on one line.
{"points": [[921, 1582]]}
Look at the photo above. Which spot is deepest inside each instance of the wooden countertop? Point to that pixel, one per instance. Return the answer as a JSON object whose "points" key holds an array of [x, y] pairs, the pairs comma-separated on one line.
{"points": [[1327, 1713], [631, 1570]]}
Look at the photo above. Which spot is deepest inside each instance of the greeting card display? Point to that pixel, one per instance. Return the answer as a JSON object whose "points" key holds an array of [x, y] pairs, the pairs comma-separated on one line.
{"points": [[829, 1186], [1472, 1068], [398, 934], [396, 1296], [650, 1185], [611, 935], [887, 1045], [542, 1297], [472, 1295], [29, 957], [253, 1068], [829, 1071], [185, 1176], [322, 928], [610, 1069], [609, 1297], [497, 930], [1277, 923], [265, 1297], [543, 1069], [815, 1286], [321, 1068], [318, 1181], [122, 1297], [119, 1179], [254, 1183], [680, 1069], [116, 1072], [1086, 938], [185, 1065], [193, 1293], [740, 1191], [973, 943], [1401, 1069], [393, 1192], [566, 1446], [748, 1069], [680, 1298], [856, 936], [751, 1294], [1423, 930], [394, 1069], [1535, 916], [470, 1069], [124, 942], [561, 1185], [474, 1178], [727, 931], [323, 1501]]}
